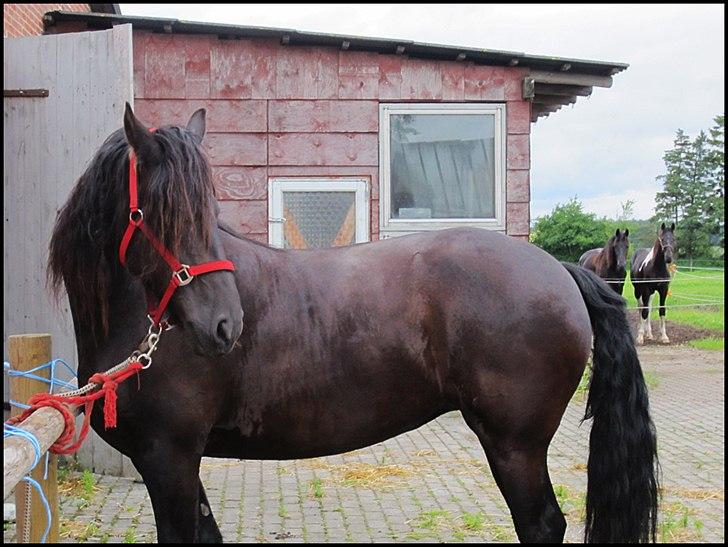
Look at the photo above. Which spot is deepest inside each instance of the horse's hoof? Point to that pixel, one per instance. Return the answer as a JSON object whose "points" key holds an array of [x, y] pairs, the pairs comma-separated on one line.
{"points": [[664, 340], [649, 336], [640, 341]]}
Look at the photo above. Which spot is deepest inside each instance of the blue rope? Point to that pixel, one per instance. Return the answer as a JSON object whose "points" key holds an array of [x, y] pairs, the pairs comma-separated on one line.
{"points": [[10, 430], [13, 431]]}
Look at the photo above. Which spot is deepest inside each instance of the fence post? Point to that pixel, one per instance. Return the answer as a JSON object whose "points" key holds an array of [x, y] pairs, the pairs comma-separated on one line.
{"points": [[26, 352]]}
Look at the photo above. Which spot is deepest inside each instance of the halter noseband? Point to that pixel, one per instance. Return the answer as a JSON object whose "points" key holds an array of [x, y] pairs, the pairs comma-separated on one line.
{"points": [[182, 274]]}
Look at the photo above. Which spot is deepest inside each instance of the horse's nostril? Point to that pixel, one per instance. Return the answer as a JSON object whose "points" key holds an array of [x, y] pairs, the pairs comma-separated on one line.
{"points": [[224, 331]]}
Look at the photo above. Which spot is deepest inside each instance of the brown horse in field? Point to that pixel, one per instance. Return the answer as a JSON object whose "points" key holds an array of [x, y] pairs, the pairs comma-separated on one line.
{"points": [[345, 347], [609, 262]]}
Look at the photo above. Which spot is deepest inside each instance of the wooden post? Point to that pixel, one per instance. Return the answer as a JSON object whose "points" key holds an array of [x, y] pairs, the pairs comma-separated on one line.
{"points": [[27, 352]]}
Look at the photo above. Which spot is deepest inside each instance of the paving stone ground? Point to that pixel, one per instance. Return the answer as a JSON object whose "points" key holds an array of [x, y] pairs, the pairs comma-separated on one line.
{"points": [[433, 484]]}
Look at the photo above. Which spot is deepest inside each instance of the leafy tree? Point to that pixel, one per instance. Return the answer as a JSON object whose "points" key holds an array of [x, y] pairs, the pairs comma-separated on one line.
{"points": [[693, 190], [669, 200], [716, 168], [568, 231]]}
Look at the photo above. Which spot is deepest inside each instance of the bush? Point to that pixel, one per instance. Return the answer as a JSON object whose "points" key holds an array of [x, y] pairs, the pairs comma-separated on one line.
{"points": [[568, 231]]}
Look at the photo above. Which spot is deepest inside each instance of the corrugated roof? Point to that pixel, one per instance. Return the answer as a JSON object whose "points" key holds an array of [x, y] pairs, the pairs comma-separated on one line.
{"points": [[554, 81]]}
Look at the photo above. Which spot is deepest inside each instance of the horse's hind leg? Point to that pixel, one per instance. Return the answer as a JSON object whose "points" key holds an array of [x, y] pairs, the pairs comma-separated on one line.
{"points": [[643, 302], [524, 481], [207, 531]]}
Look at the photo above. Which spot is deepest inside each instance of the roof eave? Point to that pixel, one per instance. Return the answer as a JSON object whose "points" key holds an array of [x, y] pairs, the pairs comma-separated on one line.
{"points": [[553, 81]]}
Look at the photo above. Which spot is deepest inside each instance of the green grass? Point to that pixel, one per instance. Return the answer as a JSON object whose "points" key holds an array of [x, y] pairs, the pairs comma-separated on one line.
{"points": [[473, 521], [88, 482], [716, 344], [690, 287], [317, 488]]}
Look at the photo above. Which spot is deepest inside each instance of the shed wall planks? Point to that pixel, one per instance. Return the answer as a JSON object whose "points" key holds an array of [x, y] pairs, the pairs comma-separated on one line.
{"points": [[48, 142], [319, 113]]}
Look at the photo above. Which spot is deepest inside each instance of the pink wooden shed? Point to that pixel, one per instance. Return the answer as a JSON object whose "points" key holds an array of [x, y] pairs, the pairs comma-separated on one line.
{"points": [[416, 136]]}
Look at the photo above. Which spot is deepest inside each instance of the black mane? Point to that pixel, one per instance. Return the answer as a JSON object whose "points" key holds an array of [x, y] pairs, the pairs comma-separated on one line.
{"points": [[176, 196]]}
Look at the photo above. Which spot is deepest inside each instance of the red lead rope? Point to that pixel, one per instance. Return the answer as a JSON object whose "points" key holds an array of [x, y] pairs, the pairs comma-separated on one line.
{"points": [[182, 273], [109, 383]]}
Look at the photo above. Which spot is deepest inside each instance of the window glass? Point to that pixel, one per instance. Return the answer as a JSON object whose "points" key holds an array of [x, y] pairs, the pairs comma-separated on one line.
{"points": [[318, 219], [442, 166]]}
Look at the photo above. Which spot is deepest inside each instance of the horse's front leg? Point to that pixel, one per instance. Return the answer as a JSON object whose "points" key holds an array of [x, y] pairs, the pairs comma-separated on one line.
{"points": [[648, 322], [171, 474], [663, 334]]}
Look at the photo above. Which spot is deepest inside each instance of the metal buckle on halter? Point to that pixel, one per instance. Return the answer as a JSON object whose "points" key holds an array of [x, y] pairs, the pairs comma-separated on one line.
{"points": [[187, 280], [136, 221]]}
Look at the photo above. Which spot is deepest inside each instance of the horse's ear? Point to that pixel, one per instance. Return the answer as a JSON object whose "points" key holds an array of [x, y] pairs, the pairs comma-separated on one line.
{"points": [[672, 227], [139, 137], [626, 232], [196, 125], [617, 233], [663, 226]]}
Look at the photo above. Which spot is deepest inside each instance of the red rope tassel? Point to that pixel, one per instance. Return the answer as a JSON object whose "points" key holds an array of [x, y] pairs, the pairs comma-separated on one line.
{"points": [[108, 389]]}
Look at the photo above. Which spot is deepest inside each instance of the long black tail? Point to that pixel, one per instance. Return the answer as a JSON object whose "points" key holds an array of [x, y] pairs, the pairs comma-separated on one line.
{"points": [[621, 499]]}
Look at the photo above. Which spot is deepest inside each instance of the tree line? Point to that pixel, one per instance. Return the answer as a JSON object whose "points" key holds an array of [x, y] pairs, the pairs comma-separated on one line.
{"points": [[692, 196]]}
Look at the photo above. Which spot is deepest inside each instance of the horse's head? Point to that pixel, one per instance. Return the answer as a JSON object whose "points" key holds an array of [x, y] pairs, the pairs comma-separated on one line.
{"points": [[145, 204], [621, 245], [175, 197], [666, 237]]}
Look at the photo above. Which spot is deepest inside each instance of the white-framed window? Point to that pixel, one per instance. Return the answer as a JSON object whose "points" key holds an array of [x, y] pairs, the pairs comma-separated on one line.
{"points": [[307, 213], [441, 165]]}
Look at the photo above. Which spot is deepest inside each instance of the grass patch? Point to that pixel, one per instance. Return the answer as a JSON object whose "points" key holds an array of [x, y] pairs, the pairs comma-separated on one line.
{"points": [[130, 535], [571, 503], [715, 344], [693, 493], [83, 487], [652, 380], [431, 524], [678, 524], [316, 488], [473, 521], [582, 389], [362, 475], [78, 531]]}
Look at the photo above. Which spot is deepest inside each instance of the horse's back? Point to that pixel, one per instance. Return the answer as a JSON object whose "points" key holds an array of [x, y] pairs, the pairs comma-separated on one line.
{"points": [[636, 262], [587, 259]]}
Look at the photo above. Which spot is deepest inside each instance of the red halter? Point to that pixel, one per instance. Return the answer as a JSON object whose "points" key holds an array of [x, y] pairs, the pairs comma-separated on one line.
{"points": [[182, 273]]}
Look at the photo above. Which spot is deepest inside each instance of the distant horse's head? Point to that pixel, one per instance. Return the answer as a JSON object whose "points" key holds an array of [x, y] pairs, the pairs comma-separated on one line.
{"points": [[666, 237], [177, 206], [620, 244]]}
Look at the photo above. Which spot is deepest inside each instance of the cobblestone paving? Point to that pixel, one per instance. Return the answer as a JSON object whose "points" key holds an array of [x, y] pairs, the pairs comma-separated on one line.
{"points": [[433, 484]]}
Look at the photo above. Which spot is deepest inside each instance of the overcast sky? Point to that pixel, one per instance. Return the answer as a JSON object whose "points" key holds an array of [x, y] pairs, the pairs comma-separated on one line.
{"points": [[606, 148]]}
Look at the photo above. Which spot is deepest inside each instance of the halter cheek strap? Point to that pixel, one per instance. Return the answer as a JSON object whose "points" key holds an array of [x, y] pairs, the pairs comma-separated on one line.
{"points": [[182, 274]]}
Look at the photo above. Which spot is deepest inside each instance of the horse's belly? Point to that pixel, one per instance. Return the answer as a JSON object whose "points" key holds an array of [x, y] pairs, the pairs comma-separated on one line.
{"points": [[333, 419]]}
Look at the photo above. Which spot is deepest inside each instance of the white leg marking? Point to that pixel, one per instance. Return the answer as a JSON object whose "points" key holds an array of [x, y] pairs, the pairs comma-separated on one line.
{"points": [[648, 332], [663, 335], [640, 332]]}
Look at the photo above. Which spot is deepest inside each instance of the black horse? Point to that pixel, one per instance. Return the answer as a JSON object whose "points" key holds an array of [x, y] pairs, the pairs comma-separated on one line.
{"points": [[649, 273], [609, 262], [345, 347]]}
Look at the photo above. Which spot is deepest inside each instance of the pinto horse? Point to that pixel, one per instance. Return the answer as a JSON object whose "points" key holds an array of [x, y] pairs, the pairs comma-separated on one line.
{"points": [[649, 273], [610, 262], [342, 348]]}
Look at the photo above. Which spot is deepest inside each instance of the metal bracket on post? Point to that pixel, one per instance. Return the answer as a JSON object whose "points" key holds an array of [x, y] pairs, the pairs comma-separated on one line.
{"points": [[529, 88]]}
